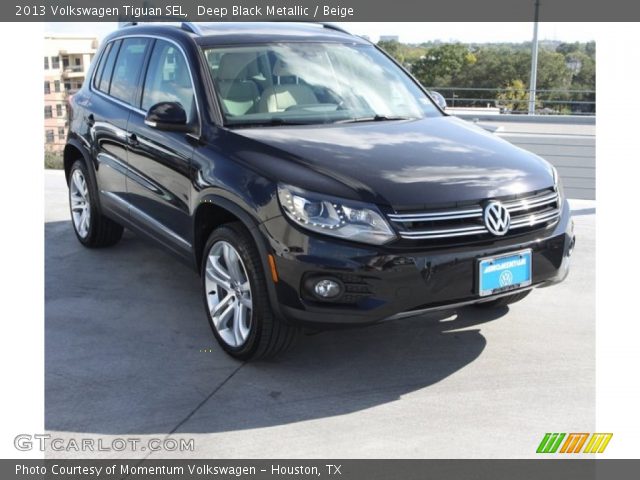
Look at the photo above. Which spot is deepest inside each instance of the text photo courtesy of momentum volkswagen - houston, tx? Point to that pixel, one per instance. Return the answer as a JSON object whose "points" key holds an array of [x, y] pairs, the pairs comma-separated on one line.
{"points": [[293, 240]]}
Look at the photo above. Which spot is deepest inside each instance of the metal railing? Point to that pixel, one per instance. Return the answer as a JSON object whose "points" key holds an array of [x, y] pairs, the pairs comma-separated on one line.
{"points": [[511, 100]]}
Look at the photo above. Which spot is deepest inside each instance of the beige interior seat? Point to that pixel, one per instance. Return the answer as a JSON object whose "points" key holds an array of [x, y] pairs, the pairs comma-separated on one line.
{"points": [[279, 97], [239, 95]]}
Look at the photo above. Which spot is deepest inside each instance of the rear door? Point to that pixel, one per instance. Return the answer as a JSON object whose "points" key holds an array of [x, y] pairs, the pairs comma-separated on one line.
{"points": [[114, 85], [159, 182]]}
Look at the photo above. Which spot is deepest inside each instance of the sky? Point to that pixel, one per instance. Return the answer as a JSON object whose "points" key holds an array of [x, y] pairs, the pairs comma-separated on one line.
{"points": [[409, 32]]}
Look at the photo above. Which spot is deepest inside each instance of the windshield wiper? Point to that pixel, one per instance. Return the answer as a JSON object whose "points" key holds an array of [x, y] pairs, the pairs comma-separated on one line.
{"points": [[375, 118], [271, 122]]}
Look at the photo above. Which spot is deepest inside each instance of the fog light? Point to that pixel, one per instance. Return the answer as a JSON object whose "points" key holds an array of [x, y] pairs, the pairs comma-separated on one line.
{"points": [[327, 288]]}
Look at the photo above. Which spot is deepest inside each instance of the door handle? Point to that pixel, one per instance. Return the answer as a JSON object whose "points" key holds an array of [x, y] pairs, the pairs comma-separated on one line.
{"points": [[132, 139]]}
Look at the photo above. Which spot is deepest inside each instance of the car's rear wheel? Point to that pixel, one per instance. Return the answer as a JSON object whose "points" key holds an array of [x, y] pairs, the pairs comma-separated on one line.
{"points": [[91, 227], [236, 298], [504, 301]]}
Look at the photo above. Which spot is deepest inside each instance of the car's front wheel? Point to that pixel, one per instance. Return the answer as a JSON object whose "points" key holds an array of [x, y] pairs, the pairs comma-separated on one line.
{"points": [[91, 227], [236, 298]]}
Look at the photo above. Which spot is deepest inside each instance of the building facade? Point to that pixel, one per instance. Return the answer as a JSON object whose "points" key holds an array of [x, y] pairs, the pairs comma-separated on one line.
{"points": [[66, 62]]}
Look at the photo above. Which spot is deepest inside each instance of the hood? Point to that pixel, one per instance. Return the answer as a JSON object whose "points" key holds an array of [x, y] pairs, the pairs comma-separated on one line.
{"points": [[409, 164]]}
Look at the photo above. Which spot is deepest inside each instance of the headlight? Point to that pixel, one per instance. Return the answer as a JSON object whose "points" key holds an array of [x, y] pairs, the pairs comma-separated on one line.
{"points": [[345, 219], [557, 183]]}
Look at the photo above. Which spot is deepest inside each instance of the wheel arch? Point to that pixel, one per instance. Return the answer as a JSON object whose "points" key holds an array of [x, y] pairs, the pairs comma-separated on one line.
{"points": [[74, 150], [213, 211]]}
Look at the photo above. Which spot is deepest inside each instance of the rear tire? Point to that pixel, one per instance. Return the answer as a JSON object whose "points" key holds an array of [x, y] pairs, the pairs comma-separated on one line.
{"points": [[504, 301], [236, 300], [92, 229]]}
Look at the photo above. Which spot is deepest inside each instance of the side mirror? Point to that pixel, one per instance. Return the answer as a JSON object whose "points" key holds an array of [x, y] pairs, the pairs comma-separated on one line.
{"points": [[167, 116], [439, 99]]}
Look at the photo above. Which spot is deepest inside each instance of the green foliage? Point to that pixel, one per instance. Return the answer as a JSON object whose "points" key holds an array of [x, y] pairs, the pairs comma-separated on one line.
{"points": [[440, 64], [514, 97], [53, 159], [407, 55], [562, 67]]}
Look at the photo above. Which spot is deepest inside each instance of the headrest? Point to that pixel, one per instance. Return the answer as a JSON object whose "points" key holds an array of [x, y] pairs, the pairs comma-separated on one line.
{"points": [[281, 69], [233, 65]]}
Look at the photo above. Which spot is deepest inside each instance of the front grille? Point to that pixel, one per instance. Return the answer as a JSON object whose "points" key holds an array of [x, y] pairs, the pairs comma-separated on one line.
{"points": [[539, 209]]}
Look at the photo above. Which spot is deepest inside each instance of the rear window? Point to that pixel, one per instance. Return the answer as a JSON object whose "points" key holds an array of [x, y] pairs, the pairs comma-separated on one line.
{"points": [[104, 71], [101, 65]]}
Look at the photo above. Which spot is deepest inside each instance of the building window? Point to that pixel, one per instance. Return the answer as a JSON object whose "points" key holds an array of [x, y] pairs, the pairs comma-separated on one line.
{"points": [[67, 86], [58, 110], [55, 62], [56, 85], [65, 62], [50, 136], [77, 61], [60, 133], [46, 63], [47, 87], [48, 113]]}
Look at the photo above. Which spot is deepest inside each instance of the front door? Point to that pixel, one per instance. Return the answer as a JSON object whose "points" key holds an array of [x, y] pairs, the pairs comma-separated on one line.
{"points": [[158, 182]]}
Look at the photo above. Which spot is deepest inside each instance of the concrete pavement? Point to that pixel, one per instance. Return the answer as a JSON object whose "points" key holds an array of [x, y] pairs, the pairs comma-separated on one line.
{"points": [[129, 353]]}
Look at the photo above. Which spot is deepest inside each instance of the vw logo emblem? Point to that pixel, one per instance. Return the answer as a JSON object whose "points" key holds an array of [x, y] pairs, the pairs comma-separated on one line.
{"points": [[506, 278], [496, 218]]}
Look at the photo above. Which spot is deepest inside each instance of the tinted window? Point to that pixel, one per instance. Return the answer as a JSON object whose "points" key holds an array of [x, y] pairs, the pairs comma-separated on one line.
{"points": [[100, 67], [107, 70], [168, 79], [124, 81]]}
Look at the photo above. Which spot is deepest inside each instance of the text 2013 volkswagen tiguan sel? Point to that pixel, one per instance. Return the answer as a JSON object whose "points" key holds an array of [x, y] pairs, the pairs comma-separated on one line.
{"points": [[307, 177]]}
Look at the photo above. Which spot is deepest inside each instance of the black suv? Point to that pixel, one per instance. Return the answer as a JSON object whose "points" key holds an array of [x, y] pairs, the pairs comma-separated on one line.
{"points": [[307, 177]]}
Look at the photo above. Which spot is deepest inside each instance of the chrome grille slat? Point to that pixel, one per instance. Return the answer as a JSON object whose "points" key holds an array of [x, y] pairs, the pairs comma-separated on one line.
{"points": [[467, 221], [448, 232], [528, 204], [421, 217], [532, 220]]}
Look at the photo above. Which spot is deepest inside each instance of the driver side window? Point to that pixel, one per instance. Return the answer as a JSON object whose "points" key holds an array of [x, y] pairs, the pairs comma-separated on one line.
{"points": [[168, 79]]}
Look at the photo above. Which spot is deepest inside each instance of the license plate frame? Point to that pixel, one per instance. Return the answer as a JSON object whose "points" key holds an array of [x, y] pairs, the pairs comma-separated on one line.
{"points": [[505, 276]]}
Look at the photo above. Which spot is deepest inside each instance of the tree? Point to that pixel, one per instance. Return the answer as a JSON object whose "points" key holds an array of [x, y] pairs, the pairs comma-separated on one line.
{"points": [[514, 98], [442, 63], [393, 48]]}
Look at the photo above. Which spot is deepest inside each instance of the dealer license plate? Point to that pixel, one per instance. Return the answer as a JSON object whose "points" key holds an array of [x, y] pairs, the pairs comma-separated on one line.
{"points": [[504, 273]]}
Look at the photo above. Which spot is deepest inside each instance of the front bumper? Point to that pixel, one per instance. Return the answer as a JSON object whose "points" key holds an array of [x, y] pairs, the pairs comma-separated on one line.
{"points": [[387, 283]]}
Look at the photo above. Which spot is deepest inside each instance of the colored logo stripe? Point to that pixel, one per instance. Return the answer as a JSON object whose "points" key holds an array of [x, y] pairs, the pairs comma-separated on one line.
{"points": [[550, 442], [598, 442], [574, 443]]}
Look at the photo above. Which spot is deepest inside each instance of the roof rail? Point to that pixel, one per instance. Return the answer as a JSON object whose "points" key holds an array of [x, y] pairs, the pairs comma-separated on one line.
{"points": [[191, 27], [333, 26]]}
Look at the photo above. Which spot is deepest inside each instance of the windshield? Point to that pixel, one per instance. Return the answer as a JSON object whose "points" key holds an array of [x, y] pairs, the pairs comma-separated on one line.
{"points": [[312, 83]]}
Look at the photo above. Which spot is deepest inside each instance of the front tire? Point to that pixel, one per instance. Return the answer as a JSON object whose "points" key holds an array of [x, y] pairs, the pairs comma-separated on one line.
{"points": [[92, 229], [236, 299]]}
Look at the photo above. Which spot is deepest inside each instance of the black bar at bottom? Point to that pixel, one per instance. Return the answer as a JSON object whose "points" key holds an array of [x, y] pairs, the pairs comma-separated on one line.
{"points": [[543, 469]]}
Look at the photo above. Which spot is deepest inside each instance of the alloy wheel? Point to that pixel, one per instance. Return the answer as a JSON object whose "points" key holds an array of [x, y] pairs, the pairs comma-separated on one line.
{"points": [[228, 293], [80, 203]]}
